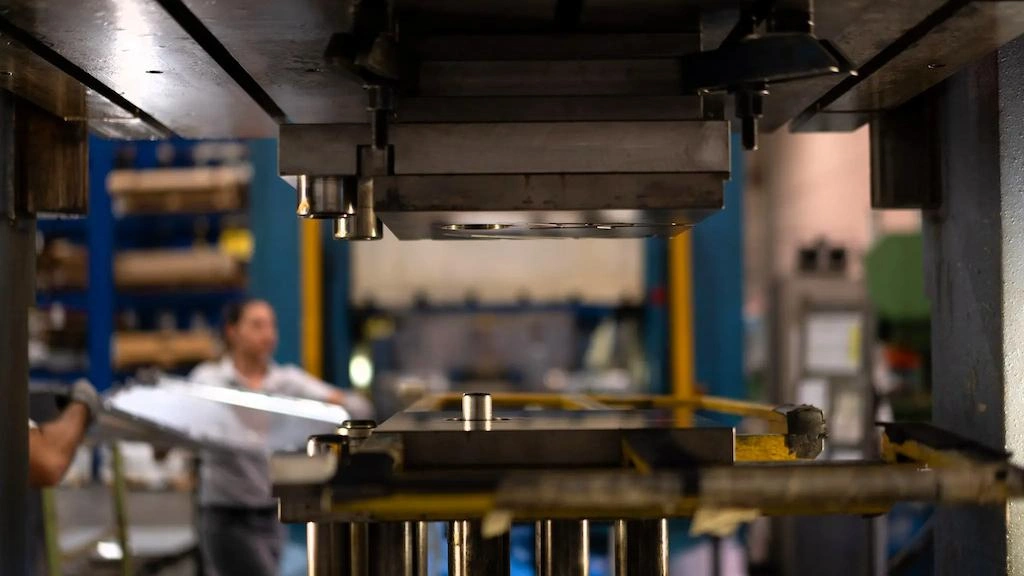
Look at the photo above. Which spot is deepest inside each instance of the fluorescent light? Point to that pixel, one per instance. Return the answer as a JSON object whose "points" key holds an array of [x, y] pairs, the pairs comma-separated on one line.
{"points": [[360, 370]]}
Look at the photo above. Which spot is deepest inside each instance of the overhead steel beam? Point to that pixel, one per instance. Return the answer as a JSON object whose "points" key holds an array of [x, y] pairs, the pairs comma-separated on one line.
{"points": [[37, 74], [942, 43], [861, 29], [140, 52], [281, 45]]}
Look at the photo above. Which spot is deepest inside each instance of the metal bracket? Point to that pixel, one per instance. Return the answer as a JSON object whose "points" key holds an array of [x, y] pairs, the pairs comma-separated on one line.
{"points": [[50, 171]]}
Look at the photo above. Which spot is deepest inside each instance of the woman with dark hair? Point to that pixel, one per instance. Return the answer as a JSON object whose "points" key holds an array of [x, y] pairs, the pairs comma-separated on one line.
{"points": [[239, 531]]}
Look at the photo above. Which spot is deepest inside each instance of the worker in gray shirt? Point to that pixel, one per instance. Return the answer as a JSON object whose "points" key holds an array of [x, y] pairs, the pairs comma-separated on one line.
{"points": [[238, 527]]}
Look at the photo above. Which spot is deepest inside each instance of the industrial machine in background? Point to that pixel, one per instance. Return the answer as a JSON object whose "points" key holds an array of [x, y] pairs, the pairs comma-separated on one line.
{"points": [[143, 281], [442, 119], [822, 343], [565, 348]]}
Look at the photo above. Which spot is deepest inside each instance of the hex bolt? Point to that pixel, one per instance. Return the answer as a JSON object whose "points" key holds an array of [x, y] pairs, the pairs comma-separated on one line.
{"points": [[357, 430]]}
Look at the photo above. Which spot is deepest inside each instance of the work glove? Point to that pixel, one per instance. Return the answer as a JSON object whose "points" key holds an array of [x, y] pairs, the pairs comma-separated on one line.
{"points": [[84, 393]]}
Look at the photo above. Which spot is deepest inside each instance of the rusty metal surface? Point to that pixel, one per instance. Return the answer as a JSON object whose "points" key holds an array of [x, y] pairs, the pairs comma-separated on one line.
{"points": [[138, 50]]}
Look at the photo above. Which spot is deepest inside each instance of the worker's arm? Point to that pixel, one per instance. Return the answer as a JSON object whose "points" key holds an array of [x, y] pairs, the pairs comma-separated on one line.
{"points": [[52, 446], [308, 386]]}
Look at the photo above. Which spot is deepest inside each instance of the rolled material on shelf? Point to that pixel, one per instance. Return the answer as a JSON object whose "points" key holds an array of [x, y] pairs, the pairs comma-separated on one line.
{"points": [[62, 265], [66, 266], [163, 348], [179, 268], [176, 190]]}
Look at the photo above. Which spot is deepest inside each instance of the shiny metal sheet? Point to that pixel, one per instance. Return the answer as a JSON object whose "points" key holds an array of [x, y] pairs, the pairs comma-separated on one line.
{"points": [[177, 412], [545, 205], [137, 49]]}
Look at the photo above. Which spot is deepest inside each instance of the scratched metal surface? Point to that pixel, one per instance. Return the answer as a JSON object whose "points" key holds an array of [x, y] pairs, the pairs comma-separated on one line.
{"points": [[138, 50], [974, 265]]}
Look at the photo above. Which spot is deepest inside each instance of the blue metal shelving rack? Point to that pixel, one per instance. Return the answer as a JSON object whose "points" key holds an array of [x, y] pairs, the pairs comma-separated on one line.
{"points": [[103, 233]]}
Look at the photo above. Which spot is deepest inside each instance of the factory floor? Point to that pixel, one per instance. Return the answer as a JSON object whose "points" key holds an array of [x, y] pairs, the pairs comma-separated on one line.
{"points": [[161, 531]]}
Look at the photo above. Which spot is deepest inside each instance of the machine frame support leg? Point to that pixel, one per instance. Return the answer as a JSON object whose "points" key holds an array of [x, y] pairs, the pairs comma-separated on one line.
{"points": [[395, 549], [119, 493], [421, 547], [327, 546], [17, 276], [562, 547], [359, 548], [640, 548], [974, 270], [17, 294], [470, 554]]}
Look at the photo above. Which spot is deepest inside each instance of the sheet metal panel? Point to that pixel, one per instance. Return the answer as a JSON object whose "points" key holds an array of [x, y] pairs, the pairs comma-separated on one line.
{"points": [[180, 413]]}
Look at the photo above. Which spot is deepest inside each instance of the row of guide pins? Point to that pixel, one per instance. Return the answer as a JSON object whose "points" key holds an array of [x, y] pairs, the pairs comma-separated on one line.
{"points": [[640, 547]]}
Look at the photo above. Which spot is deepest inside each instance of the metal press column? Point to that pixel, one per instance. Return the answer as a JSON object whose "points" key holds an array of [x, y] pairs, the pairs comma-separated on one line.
{"points": [[562, 548], [641, 548], [974, 276], [17, 290]]}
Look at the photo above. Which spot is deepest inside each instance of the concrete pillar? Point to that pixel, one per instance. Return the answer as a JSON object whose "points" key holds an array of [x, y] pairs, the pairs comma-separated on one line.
{"points": [[974, 265]]}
